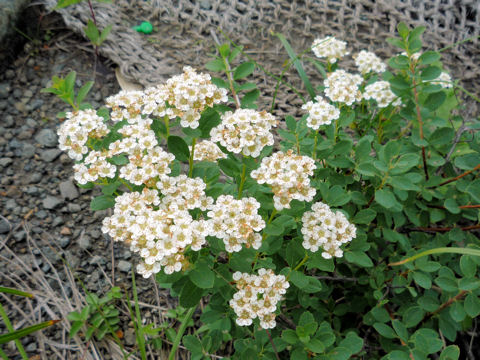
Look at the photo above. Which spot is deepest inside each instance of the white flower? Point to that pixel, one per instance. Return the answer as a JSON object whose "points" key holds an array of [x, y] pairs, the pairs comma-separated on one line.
{"points": [[381, 92], [341, 86], [325, 229], [329, 48], [320, 112], [367, 62]]}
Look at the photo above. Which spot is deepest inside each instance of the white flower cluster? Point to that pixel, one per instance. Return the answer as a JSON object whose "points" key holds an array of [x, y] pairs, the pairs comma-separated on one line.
{"points": [[367, 61], [182, 193], [160, 229], [320, 112], [444, 80], [323, 228], [236, 222], [329, 48], [381, 92], [342, 86], [76, 130], [207, 151], [94, 166], [414, 56], [258, 296], [147, 160], [287, 174], [245, 130], [185, 95]]}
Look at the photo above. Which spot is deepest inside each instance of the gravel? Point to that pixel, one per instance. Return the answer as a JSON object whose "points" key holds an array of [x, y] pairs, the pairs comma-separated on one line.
{"points": [[68, 190], [124, 266], [50, 155], [52, 202], [47, 137]]}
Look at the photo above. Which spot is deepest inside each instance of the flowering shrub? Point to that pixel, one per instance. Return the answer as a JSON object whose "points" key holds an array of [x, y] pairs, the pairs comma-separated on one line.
{"points": [[296, 246]]}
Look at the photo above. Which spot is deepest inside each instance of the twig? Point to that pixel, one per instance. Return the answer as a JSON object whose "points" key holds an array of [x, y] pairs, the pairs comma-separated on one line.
{"points": [[339, 278], [456, 140], [457, 177], [446, 304], [474, 333], [273, 345]]}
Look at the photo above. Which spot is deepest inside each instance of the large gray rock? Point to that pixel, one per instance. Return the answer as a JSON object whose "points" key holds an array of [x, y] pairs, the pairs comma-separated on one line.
{"points": [[9, 11]]}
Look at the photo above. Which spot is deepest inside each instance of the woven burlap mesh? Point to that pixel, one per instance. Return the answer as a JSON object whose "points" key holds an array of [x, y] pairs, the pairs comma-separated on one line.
{"points": [[183, 33]]}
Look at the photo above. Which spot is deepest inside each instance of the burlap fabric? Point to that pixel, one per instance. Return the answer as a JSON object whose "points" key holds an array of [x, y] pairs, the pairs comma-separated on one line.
{"points": [[183, 32]]}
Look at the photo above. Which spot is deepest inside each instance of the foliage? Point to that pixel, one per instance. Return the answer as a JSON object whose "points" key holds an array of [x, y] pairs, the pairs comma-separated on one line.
{"points": [[402, 173]]}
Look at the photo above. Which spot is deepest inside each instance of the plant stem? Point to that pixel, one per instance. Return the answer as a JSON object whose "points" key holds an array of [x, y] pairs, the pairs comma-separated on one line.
{"points": [[273, 345], [419, 118], [167, 125], [444, 250], [457, 177], [445, 229], [190, 159], [314, 155], [180, 333], [228, 71], [10, 328], [242, 181], [304, 260]]}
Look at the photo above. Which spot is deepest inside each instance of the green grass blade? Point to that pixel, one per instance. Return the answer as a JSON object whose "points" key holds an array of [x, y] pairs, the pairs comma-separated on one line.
{"points": [[298, 65], [6, 290], [444, 250], [15, 335], [10, 328]]}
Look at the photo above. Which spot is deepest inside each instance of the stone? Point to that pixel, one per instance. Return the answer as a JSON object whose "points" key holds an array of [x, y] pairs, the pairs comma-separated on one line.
{"points": [[64, 242], [5, 89], [10, 205], [52, 202], [95, 234], [32, 190], [47, 137], [9, 12], [57, 221], [35, 178], [42, 214], [74, 208], [124, 266], [50, 155], [28, 151], [84, 242], [129, 336], [5, 226], [97, 260], [6, 161], [8, 121], [66, 231], [68, 190]]}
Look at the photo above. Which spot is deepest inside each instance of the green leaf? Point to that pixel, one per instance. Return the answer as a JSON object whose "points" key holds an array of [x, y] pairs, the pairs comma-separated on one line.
{"points": [[427, 340], [400, 329], [290, 336], [412, 316], [178, 147], [451, 352], [248, 100], [358, 257], [193, 344], [298, 279], [430, 73], [386, 198], [243, 70], [91, 31], [446, 283], [17, 334], [316, 346], [109, 189], [208, 120], [84, 91], [235, 52], [435, 100], [429, 57], [202, 276], [102, 202], [352, 342], [229, 167], [291, 123], [468, 266], [190, 294], [402, 182], [337, 196], [317, 261], [422, 279], [105, 32], [467, 161], [403, 30], [472, 305], [452, 206], [11, 291], [75, 328], [385, 330], [457, 311], [216, 65], [473, 189], [442, 136], [64, 3], [298, 65]]}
